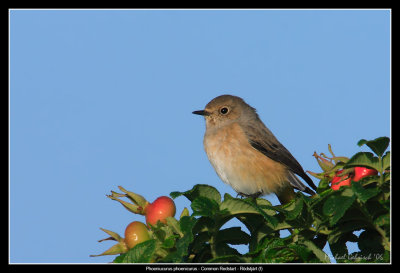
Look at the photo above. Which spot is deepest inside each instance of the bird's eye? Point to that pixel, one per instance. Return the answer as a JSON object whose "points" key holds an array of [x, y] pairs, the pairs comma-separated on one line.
{"points": [[224, 110]]}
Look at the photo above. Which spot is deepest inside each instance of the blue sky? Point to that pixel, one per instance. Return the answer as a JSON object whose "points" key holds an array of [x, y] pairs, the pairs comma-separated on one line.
{"points": [[101, 98]]}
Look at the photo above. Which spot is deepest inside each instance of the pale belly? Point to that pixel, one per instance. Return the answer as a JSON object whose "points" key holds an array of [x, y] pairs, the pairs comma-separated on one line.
{"points": [[241, 166]]}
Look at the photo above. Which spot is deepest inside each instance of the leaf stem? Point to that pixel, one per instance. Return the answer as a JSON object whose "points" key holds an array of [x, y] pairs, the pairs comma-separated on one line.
{"points": [[325, 232], [213, 244], [381, 180]]}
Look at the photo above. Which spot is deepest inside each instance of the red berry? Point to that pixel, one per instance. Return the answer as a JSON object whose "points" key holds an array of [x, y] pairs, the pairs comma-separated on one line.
{"points": [[160, 209], [339, 181], [361, 172]]}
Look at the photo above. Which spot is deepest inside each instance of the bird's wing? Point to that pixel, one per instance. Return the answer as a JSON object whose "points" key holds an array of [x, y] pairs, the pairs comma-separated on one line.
{"points": [[264, 141]]}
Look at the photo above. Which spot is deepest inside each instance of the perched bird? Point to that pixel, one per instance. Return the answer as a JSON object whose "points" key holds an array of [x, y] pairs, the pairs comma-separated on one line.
{"points": [[246, 155]]}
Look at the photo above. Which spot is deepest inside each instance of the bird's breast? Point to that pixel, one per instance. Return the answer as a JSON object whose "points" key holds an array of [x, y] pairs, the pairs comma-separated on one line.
{"points": [[240, 165]]}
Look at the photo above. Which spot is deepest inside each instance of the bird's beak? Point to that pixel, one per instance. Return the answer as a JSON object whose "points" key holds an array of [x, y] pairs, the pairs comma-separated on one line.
{"points": [[201, 112]]}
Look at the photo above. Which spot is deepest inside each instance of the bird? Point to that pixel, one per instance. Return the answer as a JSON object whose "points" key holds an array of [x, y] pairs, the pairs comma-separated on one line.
{"points": [[246, 155]]}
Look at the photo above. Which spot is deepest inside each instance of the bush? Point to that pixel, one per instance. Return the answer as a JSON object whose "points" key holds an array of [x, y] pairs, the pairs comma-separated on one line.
{"points": [[330, 217]]}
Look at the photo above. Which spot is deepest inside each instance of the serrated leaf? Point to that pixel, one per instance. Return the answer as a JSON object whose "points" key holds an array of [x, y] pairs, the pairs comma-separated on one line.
{"points": [[368, 180], [302, 251], [266, 206], [294, 209], [186, 224], [363, 194], [119, 259], [199, 190], [169, 242], [174, 225], [378, 145], [181, 245], [336, 205], [141, 253], [236, 206], [365, 159], [203, 206], [277, 251]]}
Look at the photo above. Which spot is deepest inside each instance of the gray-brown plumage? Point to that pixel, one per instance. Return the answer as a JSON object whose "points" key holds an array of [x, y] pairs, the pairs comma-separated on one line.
{"points": [[245, 153]]}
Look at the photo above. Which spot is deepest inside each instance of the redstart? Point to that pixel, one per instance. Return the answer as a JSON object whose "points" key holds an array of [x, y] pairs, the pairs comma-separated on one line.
{"points": [[246, 155]]}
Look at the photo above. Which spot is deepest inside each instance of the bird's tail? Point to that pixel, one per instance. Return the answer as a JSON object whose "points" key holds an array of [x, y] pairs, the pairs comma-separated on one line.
{"points": [[296, 183]]}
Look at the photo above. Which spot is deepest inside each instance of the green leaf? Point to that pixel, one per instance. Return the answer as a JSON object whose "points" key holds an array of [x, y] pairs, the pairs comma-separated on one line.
{"points": [[259, 233], [203, 206], [174, 224], [187, 223], [233, 236], [169, 242], [224, 249], [302, 251], [277, 251], [199, 190], [200, 242], [382, 220], [369, 180], [323, 185], [141, 253], [364, 159], [336, 205], [203, 224], [386, 161], [346, 227], [119, 259], [181, 250], [322, 256], [294, 209], [235, 206], [363, 194], [266, 206], [339, 249], [370, 242], [378, 145]]}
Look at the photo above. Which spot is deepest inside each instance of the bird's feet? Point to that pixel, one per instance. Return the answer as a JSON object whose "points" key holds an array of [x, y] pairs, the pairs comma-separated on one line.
{"points": [[253, 195]]}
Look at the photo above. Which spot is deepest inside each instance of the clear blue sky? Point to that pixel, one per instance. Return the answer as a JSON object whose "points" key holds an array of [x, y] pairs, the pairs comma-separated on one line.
{"points": [[101, 98]]}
